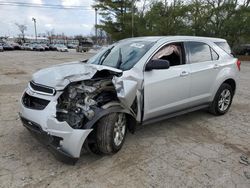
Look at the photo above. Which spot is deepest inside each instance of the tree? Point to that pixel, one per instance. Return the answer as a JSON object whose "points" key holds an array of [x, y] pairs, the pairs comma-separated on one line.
{"points": [[229, 19], [22, 28], [50, 34], [116, 17]]}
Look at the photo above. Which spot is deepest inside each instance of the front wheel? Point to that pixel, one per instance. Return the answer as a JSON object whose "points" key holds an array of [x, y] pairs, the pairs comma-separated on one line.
{"points": [[222, 100], [111, 131]]}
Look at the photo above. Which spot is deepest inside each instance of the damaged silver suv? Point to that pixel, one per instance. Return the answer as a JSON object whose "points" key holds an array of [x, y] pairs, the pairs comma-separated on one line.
{"points": [[93, 103]]}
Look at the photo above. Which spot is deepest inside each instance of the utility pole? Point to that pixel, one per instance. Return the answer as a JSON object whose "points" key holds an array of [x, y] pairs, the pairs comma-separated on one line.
{"points": [[34, 20], [96, 25], [132, 17]]}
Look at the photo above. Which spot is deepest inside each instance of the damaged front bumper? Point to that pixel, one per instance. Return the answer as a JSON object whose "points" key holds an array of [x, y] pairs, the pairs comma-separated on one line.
{"points": [[64, 141]]}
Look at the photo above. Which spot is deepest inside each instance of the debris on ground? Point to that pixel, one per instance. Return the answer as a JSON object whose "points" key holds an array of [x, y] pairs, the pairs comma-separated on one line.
{"points": [[247, 174], [244, 160]]}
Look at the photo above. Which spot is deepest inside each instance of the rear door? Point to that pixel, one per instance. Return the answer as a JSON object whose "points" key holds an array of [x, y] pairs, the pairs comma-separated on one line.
{"points": [[204, 67]]}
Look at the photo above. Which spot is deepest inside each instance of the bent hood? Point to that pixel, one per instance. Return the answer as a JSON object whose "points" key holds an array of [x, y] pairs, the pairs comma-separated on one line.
{"points": [[61, 75]]}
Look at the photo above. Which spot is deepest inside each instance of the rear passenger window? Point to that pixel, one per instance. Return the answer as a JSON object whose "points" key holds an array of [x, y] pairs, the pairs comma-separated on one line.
{"points": [[215, 56], [200, 52], [224, 46]]}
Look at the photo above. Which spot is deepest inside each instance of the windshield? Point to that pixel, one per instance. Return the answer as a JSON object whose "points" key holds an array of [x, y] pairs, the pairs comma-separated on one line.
{"points": [[122, 55]]}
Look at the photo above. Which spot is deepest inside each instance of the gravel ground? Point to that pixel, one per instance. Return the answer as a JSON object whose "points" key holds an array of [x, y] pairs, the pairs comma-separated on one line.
{"points": [[193, 150]]}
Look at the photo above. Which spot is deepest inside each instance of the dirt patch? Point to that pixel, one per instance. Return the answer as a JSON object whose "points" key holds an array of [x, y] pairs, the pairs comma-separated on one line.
{"points": [[15, 72], [15, 88], [238, 148]]}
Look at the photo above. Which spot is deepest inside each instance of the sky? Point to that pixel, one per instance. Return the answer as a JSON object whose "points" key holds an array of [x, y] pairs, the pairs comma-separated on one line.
{"points": [[70, 22]]}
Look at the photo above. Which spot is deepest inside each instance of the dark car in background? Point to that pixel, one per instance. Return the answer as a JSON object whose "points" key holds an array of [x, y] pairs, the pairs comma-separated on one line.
{"points": [[38, 47], [7, 46], [243, 49], [52, 47]]}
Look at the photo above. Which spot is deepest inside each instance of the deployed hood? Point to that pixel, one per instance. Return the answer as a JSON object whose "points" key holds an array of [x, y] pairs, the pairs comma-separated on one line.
{"points": [[61, 75]]}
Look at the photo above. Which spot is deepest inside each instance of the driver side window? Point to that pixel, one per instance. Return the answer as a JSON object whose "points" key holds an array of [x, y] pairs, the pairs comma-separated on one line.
{"points": [[173, 52]]}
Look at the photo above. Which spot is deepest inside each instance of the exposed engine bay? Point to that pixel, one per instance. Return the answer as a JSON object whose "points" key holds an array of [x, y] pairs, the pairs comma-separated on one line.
{"points": [[77, 104]]}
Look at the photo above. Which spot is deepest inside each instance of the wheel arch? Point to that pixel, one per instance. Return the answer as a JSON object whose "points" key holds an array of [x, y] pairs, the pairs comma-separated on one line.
{"points": [[232, 83], [226, 75], [229, 80], [131, 125]]}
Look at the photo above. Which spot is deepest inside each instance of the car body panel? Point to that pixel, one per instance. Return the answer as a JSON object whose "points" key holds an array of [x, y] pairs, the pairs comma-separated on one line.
{"points": [[49, 124], [60, 76], [165, 91]]}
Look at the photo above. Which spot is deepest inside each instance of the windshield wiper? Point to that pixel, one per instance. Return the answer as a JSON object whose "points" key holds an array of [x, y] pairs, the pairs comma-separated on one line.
{"points": [[105, 55], [119, 62]]}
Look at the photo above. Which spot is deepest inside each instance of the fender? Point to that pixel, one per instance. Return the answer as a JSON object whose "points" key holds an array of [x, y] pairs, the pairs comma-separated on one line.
{"points": [[100, 112]]}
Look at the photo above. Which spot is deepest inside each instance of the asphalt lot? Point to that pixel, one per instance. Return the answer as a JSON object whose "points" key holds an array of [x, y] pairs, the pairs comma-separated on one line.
{"points": [[193, 150]]}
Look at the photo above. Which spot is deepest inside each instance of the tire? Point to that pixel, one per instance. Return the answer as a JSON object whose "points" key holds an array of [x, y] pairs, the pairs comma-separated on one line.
{"points": [[222, 100], [111, 132]]}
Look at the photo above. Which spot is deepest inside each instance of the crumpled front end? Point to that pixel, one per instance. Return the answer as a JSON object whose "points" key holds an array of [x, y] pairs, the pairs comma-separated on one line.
{"points": [[38, 114], [64, 110]]}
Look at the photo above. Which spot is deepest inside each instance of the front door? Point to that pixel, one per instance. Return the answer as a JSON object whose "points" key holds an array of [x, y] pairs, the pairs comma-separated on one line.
{"points": [[167, 90]]}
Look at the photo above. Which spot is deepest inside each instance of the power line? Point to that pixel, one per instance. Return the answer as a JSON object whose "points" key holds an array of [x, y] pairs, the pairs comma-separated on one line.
{"points": [[50, 6], [44, 4]]}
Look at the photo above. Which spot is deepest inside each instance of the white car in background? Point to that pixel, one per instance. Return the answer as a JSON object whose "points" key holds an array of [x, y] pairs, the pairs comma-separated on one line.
{"points": [[133, 82], [61, 48]]}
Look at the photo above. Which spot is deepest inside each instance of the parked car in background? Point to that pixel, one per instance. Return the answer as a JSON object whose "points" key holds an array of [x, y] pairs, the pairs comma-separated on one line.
{"points": [[27, 46], [7, 46], [52, 47], [1, 48], [84, 45], [135, 81], [16, 46], [45, 46], [72, 46], [61, 48], [96, 47], [243, 49], [38, 47]]}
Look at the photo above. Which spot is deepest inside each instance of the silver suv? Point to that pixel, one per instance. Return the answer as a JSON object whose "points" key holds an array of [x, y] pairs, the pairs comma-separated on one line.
{"points": [[91, 104]]}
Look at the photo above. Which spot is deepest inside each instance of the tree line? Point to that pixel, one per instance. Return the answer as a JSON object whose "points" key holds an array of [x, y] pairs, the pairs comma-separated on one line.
{"points": [[229, 19]]}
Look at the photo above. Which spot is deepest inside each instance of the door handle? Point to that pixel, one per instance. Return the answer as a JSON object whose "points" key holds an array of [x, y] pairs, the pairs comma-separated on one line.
{"points": [[184, 73], [216, 66]]}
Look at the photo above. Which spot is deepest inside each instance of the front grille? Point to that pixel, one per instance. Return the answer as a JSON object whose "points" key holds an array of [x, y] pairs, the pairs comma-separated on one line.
{"points": [[42, 89], [33, 102]]}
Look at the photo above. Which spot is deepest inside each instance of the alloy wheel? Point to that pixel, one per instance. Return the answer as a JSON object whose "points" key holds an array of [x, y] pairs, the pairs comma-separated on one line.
{"points": [[119, 129], [224, 100]]}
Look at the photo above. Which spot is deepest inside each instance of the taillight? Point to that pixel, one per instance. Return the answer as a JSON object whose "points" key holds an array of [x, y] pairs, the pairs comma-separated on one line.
{"points": [[238, 64]]}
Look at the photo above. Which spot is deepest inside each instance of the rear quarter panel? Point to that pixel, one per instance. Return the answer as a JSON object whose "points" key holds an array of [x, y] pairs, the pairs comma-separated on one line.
{"points": [[228, 70]]}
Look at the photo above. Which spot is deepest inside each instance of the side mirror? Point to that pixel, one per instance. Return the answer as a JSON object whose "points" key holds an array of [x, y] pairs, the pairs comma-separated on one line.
{"points": [[157, 64]]}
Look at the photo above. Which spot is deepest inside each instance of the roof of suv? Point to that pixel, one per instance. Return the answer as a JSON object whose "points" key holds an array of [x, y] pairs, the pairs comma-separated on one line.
{"points": [[157, 38]]}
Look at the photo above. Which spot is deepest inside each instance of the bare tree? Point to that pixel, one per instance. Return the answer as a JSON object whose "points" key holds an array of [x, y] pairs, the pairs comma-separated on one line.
{"points": [[50, 35], [22, 28]]}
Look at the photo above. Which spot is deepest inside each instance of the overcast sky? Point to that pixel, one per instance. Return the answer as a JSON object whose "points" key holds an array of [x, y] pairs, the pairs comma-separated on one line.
{"points": [[69, 22]]}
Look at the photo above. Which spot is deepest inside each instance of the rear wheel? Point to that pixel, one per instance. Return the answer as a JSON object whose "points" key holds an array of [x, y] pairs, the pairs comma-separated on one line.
{"points": [[222, 100], [111, 131]]}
